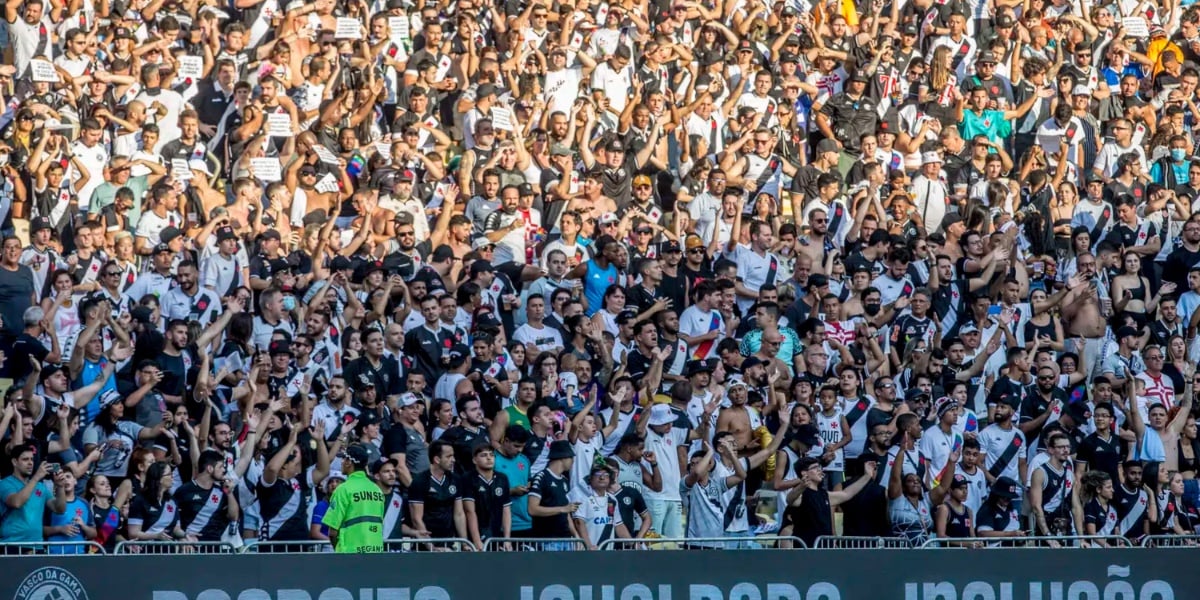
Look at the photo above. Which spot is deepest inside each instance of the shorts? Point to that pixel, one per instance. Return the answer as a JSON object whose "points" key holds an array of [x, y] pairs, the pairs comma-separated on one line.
{"points": [[834, 479]]}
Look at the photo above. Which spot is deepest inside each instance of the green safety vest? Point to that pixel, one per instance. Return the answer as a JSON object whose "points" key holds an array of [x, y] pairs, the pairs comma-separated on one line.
{"points": [[356, 511]]}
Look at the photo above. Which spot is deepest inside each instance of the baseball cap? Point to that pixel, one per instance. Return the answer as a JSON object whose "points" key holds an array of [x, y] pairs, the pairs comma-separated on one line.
{"points": [[693, 241], [226, 233], [669, 246], [987, 56], [559, 150], [279, 347], [408, 399], [39, 224], [481, 242], [481, 266], [642, 180], [929, 158], [609, 217], [1081, 90], [168, 234], [357, 455], [614, 145], [163, 247], [525, 189]]}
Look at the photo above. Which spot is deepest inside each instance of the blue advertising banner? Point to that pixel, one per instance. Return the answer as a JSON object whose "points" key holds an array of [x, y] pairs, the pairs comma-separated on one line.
{"points": [[1017, 574]]}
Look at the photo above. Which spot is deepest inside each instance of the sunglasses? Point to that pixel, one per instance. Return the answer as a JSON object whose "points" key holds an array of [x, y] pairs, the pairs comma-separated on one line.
{"points": [[696, 251]]}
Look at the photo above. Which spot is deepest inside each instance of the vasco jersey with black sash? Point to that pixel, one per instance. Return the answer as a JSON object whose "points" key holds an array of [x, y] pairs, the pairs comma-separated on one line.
{"points": [[283, 507], [1003, 450], [438, 497], [489, 497], [203, 512], [1104, 518], [1131, 510], [393, 517], [754, 271], [153, 519], [202, 307]]}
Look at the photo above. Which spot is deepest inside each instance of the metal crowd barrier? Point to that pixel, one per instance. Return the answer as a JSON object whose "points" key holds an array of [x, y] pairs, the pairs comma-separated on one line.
{"points": [[52, 548], [429, 545], [173, 547], [769, 542], [1064, 541], [533, 545], [292, 547], [1170, 541], [851, 542]]}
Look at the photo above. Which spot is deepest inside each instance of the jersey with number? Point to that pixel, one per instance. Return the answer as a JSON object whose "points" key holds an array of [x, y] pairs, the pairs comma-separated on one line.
{"points": [[830, 428]]}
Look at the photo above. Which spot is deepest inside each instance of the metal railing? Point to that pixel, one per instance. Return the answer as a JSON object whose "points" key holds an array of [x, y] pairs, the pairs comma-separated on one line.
{"points": [[852, 542], [52, 548], [767, 542], [1060, 541], [1170, 541], [172, 547], [429, 545], [289, 547], [533, 545]]}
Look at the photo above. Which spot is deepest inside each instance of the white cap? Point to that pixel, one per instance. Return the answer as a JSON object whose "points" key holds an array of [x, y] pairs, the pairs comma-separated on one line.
{"points": [[1081, 90], [197, 164], [930, 158], [609, 217]]}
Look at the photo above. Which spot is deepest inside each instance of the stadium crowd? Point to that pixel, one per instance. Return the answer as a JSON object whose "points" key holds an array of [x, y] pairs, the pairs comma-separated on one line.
{"points": [[585, 270]]}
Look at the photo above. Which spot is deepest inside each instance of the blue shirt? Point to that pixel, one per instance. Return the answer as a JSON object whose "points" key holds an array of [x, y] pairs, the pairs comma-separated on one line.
{"points": [[516, 469], [90, 371], [595, 283], [1180, 170], [23, 524], [76, 509]]}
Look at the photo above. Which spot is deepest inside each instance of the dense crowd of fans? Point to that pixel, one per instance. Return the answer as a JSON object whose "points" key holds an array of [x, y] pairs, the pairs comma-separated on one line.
{"points": [[599, 270]]}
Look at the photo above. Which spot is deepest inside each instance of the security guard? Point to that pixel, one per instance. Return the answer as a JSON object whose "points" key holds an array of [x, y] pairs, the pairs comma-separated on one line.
{"points": [[355, 516]]}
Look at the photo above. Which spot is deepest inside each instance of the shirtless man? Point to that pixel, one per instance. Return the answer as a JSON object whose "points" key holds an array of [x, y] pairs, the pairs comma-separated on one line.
{"points": [[1081, 309], [1164, 449], [772, 338], [740, 419]]}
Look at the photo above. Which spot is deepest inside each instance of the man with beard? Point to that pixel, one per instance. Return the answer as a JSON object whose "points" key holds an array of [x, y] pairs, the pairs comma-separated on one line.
{"points": [[1183, 257], [469, 433], [1004, 445], [1133, 501], [505, 228], [487, 375], [188, 301], [426, 347], [950, 294], [380, 370], [335, 410], [696, 267], [472, 171]]}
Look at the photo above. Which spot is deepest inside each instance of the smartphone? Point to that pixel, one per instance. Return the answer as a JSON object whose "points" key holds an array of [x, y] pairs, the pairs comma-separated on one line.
{"points": [[1039, 267]]}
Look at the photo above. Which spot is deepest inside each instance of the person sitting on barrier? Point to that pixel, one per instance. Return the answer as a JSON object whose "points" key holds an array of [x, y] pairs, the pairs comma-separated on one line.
{"points": [[1054, 503], [954, 518], [597, 519], [549, 506], [998, 517], [1099, 515], [810, 506]]}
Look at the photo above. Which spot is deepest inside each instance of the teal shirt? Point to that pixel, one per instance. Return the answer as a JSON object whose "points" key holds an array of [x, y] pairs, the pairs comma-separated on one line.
{"points": [[517, 471], [23, 524], [991, 124], [76, 509], [105, 194]]}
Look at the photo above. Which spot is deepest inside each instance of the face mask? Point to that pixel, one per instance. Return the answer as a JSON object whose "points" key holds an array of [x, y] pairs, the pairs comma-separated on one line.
{"points": [[871, 309], [289, 303], [1178, 154]]}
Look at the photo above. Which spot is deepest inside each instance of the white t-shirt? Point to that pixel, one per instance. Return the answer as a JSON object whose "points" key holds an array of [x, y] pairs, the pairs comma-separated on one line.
{"points": [[754, 271], [545, 338], [696, 322]]}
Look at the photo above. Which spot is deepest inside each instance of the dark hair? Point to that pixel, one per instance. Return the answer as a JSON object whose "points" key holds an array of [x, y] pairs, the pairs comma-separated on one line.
{"points": [[151, 487]]}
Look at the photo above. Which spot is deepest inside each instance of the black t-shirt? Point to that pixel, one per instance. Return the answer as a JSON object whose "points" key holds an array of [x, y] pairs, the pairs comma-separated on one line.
{"points": [[438, 497], [25, 345], [813, 518], [631, 504], [423, 352], [16, 288], [1128, 503], [551, 491], [489, 498], [175, 371], [1035, 404], [464, 441]]}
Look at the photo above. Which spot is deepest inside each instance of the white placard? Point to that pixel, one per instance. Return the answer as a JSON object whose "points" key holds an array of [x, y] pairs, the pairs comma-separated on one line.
{"points": [[180, 169], [502, 118], [399, 28], [43, 71], [443, 68], [279, 125], [347, 29], [191, 67], [384, 148], [328, 184], [574, 182], [325, 155], [1135, 27], [267, 169]]}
